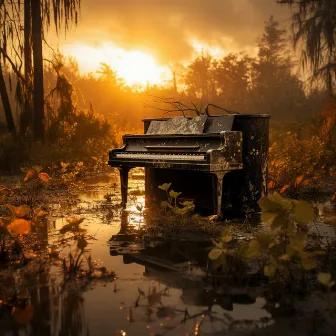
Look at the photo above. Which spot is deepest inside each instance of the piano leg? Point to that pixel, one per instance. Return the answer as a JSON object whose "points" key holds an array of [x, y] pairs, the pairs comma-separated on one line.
{"points": [[218, 193], [124, 185]]}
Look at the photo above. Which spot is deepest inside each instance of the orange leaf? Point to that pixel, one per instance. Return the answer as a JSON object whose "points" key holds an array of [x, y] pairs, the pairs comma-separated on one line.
{"points": [[271, 185], [19, 211], [284, 188], [334, 197], [31, 173], [299, 180], [40, 212], [19, 226], [44, 177]]}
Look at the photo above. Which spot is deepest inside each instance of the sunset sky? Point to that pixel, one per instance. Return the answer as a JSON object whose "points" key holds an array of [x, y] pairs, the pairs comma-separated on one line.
{"points": [[140, 38]]}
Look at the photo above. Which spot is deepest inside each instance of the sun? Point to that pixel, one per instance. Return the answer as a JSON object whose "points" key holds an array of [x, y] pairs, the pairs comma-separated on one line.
{"points": [[133, 66], [136, 67]]}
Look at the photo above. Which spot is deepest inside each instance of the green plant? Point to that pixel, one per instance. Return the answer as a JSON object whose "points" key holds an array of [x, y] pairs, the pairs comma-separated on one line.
{"points": [[172, 204]]}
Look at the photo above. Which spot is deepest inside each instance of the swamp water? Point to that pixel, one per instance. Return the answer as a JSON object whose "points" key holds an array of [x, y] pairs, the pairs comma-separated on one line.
{"points": [[144, 298]]}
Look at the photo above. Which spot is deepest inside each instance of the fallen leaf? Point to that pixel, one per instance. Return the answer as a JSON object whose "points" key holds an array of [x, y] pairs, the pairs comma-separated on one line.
{"points": [[19, 211], [19, 226], [44, 177], [31, 173]]}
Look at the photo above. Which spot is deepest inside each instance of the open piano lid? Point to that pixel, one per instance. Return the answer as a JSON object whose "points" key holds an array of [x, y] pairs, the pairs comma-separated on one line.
{"points": [[186, 125]]}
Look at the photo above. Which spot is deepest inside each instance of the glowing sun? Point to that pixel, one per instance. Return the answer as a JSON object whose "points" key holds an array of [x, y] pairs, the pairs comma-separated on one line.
{"points": [[135, 67]]}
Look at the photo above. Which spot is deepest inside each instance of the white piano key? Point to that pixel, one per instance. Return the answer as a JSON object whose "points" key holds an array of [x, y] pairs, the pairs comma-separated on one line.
{"points": [[146, 156]]}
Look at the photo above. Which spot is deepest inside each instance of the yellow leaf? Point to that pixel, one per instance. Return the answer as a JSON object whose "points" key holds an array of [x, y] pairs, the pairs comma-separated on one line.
{"points": [[279, 222], [19, 226], [268, 217], [44, 177], [324, 278], [174, 194], [19, 211], [266, 204], [215, 253], [303, 212], [165, 186], [31, 173], [284, 203]]}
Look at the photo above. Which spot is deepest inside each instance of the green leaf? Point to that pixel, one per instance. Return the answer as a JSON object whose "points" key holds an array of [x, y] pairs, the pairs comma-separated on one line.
{"points": [[226, 235], [324, 278], [174, 194], [303, 212], [215, 253], [254, 250], [165, 205], [185, 210], [284, 203], [270, 270], [267, 205], [268, 217], [165, 186], [279, 222], [308, 263]]}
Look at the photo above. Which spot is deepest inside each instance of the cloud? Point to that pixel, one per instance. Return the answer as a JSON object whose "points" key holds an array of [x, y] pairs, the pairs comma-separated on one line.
{"points": [[165, 27]]}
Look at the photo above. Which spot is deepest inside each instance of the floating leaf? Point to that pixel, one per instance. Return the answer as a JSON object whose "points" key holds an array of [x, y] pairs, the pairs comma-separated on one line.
{"points": [[31, 173], [44, 177], [19, 211], [19, 226], [174, 194], [303, 212], [165, 186]]}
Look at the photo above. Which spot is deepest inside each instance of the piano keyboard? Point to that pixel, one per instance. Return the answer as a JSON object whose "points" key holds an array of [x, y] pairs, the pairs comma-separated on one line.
{"points": [[152, 156]]}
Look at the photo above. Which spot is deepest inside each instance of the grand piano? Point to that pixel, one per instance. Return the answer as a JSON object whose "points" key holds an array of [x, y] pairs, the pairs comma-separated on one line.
{"points": [[219, 146]]}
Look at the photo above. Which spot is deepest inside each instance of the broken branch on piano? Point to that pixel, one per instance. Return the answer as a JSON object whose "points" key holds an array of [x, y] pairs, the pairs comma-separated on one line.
{"points": [[175, 106]]}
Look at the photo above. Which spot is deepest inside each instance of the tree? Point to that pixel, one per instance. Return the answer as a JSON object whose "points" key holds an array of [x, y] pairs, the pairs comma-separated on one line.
{"points": [[276, 90], [314, 28]]}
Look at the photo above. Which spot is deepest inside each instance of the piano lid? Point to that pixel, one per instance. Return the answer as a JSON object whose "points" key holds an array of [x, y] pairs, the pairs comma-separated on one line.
{"points": [[187, 125], [178, 125]]}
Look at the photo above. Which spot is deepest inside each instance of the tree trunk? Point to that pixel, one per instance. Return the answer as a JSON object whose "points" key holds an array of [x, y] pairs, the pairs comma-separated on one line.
{"points": [[26, 115], [38, 90], [6, 104]]}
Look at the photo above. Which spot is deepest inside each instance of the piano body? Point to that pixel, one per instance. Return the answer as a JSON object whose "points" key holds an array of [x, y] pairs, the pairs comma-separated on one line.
{"points": [[219, 146]]}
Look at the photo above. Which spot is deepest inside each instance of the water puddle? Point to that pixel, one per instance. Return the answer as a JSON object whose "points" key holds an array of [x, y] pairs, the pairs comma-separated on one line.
{"points": [[145, 298]]}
